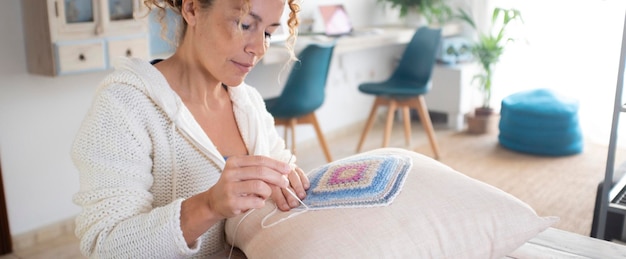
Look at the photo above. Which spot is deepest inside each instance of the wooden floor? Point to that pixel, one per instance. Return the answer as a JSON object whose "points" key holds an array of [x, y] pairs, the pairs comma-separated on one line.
{"points": [[343, 144], [310, 156]]}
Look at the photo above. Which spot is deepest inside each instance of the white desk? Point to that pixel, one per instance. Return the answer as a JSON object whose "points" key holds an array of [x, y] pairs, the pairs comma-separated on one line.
{"points": [[360, 40]]}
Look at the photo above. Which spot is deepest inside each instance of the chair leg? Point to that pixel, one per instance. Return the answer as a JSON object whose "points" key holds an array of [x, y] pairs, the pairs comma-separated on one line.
{"points": [[368, 124], [393, 105], [292, 126], [406, 112], [312, 119], [420, 105]]}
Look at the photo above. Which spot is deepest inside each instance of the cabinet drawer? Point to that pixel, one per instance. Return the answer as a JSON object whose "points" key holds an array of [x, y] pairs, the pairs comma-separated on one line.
{"points": [[135, 47], [80, 57]]}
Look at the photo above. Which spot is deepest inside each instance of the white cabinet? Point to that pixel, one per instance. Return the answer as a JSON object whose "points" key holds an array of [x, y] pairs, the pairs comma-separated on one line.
{"points": [[79, 56], [75, 36], [452, 92]]}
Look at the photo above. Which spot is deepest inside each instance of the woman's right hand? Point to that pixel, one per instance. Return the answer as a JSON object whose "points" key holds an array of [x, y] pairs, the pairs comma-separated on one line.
{"points": [[246, 183]]}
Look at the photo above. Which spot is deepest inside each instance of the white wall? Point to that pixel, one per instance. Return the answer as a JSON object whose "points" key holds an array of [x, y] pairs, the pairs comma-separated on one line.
{"points": [[40, 115], [573, 47], [38, 119]]}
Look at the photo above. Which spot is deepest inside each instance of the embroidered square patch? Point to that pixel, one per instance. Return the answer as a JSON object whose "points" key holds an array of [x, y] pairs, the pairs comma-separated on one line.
{"points": [[363, 181]]}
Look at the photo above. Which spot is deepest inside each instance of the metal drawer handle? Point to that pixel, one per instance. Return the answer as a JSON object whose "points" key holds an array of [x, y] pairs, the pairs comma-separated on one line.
{"points": [[129, 53], [81, 57]]}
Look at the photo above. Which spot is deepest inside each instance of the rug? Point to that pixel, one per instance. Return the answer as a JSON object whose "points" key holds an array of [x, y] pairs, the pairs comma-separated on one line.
{"points": [[554, 186]]}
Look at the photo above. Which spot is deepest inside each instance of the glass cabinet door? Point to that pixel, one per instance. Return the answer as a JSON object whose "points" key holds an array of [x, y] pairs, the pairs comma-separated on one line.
{"points": [[120, 10], [122, 17], [79, 11], [75, 17]]}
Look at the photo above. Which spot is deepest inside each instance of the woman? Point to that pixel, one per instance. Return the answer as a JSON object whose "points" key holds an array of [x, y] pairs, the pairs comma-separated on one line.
{"points": [[170, 150]]}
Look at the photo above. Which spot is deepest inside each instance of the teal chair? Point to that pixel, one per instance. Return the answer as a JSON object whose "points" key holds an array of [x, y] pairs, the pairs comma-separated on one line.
{"points": [[406, 87], [303, 93]]}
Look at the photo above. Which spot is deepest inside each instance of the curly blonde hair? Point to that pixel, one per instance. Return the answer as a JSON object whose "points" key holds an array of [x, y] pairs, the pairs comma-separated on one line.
{"points": [[175, 5]]}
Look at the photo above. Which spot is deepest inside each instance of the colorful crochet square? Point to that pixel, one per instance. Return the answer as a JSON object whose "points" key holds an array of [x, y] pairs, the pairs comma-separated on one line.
{"points": [[363, 181]]}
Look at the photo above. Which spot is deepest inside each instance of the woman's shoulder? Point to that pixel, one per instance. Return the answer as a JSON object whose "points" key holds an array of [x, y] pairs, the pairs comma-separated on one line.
{"points": [[134, 72], [124, 91]]}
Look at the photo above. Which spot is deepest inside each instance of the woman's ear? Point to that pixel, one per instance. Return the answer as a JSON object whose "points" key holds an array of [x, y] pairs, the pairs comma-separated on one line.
{"points": [[188, 11]]}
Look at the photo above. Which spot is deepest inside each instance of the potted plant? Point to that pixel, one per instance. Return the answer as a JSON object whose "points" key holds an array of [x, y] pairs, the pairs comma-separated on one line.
{"points": [[487, 50], [434, 12]]}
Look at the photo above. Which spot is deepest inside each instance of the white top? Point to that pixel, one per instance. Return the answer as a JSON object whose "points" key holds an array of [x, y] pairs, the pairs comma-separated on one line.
{"points": [[140, 152]]}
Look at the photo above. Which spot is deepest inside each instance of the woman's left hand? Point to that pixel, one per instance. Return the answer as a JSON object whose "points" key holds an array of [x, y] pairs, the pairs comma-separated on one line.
{"points": [[298, 183]]}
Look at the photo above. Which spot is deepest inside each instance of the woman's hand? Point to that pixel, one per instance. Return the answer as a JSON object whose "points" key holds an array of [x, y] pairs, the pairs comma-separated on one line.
{"points": [[299, 183], [245, 183]]}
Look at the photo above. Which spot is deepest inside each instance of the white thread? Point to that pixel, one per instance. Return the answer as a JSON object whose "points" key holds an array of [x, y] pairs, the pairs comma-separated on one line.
{"points": [[173, 152], [174, 163], [266, 217], [306, 208], [293, 195], [235, 235]]}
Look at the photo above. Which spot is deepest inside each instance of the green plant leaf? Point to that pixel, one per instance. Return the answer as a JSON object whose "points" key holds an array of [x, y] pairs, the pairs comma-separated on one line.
{"points": [[490, 45], [434, 11]]}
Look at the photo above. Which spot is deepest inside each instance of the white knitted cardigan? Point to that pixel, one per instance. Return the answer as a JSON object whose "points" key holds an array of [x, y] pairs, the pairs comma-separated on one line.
{"points": [[140, 152]]}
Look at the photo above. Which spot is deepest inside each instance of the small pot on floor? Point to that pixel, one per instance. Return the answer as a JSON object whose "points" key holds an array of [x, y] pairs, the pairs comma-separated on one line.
{"points": [[480, 121]]}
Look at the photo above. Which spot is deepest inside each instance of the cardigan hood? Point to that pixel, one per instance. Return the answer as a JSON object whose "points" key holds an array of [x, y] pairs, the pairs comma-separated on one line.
{"points": [[150, 81]]}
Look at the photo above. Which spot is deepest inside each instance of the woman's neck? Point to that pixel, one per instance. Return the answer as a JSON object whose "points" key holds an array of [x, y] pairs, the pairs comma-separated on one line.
{"points": [[194, 85]]}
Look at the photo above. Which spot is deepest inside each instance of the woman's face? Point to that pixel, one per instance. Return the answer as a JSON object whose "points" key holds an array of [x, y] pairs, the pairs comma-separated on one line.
{"points": [[228, 44]]}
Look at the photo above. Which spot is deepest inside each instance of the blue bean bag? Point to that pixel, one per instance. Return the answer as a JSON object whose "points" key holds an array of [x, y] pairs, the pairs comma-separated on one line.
{"points": [[540, 122]]}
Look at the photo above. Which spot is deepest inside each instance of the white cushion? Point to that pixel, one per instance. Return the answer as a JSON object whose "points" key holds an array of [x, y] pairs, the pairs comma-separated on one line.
{"points": [[440, 213]]}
